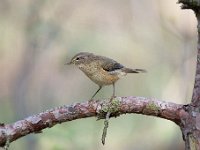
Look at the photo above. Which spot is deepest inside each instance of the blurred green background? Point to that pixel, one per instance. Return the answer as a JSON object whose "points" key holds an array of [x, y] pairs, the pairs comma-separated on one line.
{"points": [[37, 37]]}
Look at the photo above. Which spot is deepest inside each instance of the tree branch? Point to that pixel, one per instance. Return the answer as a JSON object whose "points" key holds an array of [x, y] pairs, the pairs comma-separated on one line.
{"points": [[49, 118], [190, 125], [196, 91]]}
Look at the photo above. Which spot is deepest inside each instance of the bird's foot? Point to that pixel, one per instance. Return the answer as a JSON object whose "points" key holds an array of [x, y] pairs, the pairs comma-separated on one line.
{"points": [[111, 106], [112, 97], [91, 100]]}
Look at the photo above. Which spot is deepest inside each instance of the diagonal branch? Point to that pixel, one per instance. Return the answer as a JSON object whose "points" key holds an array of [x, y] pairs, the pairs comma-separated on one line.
{"points": [[49, 118]]}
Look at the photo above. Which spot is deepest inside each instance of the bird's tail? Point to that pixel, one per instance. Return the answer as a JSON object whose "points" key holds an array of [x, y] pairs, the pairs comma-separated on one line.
{"points": [[129, 70]]}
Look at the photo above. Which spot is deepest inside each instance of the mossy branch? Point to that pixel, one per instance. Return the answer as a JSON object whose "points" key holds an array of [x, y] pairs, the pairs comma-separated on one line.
{"points": [[123, 105]]}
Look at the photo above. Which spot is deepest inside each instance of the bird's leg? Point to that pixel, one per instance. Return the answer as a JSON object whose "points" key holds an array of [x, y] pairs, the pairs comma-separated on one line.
{"points": [[96, 92], [113, 95]]}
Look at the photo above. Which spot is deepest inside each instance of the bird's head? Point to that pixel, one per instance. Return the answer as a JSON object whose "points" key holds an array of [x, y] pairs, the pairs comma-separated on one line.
{"points": [[80, 58]]}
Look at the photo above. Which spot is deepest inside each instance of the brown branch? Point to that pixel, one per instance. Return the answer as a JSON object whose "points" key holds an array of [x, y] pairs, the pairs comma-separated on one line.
{"points": [[196, 91], [49, 118]]}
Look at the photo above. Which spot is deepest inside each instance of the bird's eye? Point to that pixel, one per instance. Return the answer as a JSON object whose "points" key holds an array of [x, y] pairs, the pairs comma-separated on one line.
{"points": [[78, 58]]}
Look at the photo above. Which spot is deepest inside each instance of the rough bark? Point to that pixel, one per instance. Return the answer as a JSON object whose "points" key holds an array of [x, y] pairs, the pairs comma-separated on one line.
{"points": [[121, 105], [190, 125]]}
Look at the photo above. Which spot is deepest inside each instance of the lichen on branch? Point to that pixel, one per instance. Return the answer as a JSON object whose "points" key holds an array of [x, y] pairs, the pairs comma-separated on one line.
{"points": [[49, 118]]}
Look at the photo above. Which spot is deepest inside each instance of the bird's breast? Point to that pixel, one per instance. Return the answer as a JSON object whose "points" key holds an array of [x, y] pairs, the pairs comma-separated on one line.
{"points": [[99, 75]]}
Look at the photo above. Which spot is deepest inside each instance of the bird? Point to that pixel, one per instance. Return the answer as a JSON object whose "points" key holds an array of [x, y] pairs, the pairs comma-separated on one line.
{"points": [[101, 70]]}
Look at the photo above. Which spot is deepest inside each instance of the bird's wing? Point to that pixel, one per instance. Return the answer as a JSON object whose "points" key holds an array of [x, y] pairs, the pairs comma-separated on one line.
{"points": [[111, 65]]}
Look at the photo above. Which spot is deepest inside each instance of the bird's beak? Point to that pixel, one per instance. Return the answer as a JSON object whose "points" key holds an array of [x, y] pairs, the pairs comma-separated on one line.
{"points": [[68, 63]]}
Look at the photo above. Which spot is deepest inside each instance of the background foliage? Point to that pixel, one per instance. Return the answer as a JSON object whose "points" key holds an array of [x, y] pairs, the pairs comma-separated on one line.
{"points": [[37, 37]]}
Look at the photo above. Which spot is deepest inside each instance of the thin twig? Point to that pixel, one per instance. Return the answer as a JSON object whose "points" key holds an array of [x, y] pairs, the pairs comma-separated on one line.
{"points": [[106, 124]]}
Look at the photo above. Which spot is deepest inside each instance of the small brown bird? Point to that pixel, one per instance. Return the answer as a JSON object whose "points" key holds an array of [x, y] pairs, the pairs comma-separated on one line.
{"points": [[101, 70]]}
